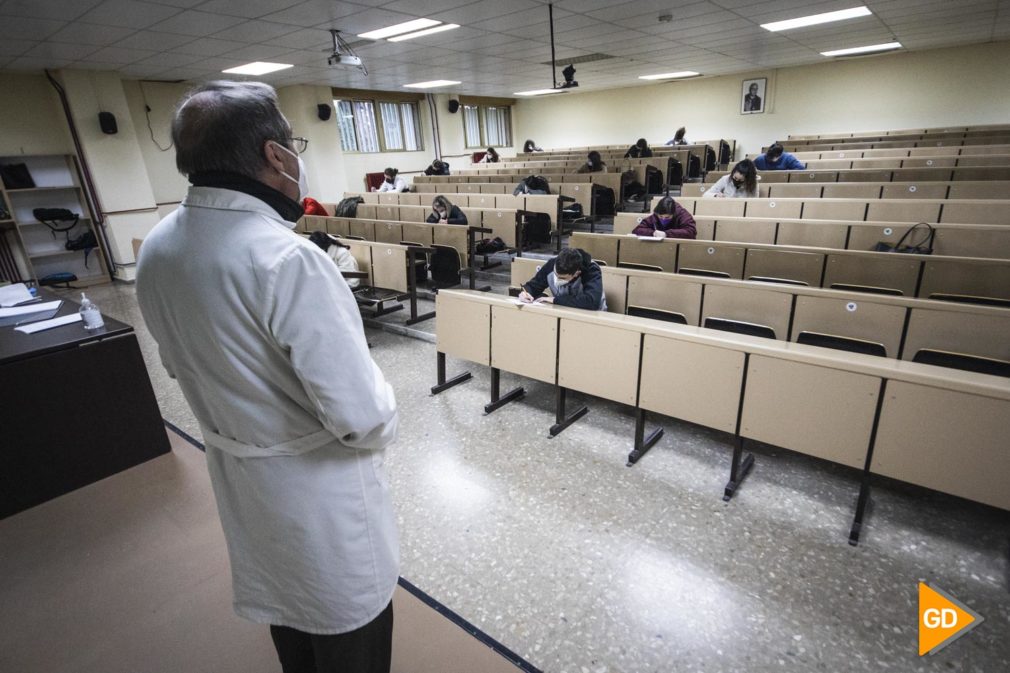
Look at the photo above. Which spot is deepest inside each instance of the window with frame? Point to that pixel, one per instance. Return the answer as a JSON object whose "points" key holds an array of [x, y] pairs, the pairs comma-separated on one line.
{"points": [[487, 125], [378, 126]]}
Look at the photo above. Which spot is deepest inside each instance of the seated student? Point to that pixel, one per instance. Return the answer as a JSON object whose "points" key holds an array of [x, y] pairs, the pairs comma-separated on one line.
{"points": [[668, 220], [678, 138], [594, 164], [741, 182], [639, 150], [530, 146], [338, 252], [574, 279], [533, 184], [777, 159], [490, 157], [392, 182], [437, 167], [444, 212]]}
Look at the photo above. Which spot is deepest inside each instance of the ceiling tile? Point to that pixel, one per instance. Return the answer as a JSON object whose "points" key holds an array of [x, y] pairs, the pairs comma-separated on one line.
{"points": [[149, 39], [18, 27], [120, 55], [209, 46], [259, 52], [64, 10], [304, 38], [197, 24], [255, 32], [314, 13], [90, 33], [128, 13], [250, 9], [15, 47], [59, 51]]}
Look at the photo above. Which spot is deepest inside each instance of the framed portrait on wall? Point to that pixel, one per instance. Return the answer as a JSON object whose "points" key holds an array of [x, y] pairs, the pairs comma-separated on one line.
{"points": [[752, 100]]}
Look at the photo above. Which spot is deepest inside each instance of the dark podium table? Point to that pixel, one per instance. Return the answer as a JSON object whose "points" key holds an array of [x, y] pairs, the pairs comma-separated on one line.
{"points": [[76, 407]]}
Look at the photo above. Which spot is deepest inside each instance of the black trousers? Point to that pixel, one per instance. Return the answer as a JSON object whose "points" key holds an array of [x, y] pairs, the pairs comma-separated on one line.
{"points": [[365, 650]]}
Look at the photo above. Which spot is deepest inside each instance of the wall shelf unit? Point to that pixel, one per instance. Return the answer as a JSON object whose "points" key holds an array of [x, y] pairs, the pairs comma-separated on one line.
{"points": [[37, 251]]}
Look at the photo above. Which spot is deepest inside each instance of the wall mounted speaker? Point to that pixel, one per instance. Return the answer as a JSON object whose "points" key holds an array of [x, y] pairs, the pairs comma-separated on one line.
{"points": [[324, 111], [453, 105], [107, 121]]}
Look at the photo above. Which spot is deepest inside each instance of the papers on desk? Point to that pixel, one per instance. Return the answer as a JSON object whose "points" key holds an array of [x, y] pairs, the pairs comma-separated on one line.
{"points": [[49, 324], [650, 238], [30, 308], [14, 294]]}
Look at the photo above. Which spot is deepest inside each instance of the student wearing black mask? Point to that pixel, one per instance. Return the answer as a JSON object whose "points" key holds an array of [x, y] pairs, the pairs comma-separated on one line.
{"points": [[740, 183], [594, 164]]}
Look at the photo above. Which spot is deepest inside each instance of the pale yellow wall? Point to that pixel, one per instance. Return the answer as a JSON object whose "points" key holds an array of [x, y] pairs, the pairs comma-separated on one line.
{"points": [[961, 85], [167, 185], [117, 166], [323, 159], [31, 118]]}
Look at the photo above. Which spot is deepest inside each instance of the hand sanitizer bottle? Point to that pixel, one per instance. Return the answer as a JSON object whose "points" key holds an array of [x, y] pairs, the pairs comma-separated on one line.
{"points": [[90, 314]]}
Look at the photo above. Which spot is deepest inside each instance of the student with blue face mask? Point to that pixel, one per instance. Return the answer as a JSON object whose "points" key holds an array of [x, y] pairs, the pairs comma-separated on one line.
{"points": [[574, 280]]}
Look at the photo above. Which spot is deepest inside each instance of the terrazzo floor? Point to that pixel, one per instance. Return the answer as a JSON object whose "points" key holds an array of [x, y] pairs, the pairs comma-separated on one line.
{"points": [[580, 564]]}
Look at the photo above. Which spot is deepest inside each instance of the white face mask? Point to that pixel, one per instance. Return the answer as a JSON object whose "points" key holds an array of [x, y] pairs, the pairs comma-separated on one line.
{"points": [[303, 177]]}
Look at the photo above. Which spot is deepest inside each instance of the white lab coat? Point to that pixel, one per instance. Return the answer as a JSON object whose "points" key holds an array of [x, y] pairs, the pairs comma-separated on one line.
{"points": [[266, 342], [345, 262]]}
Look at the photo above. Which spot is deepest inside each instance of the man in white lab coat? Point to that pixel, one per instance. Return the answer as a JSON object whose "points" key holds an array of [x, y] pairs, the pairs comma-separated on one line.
{"points": [[266, 342]]}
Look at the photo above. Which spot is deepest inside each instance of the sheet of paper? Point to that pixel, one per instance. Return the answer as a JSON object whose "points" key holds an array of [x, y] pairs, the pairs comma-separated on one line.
{"points": [[649, 238], [37, 307], [14, 294], [49, 324]]}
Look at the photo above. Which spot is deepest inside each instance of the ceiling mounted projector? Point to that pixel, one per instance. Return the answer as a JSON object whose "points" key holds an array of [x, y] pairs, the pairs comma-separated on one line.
{"points": [[343, 55]]}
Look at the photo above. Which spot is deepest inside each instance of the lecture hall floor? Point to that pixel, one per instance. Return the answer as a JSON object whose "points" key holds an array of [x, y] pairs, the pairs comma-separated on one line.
{"points": [[569, 558]]}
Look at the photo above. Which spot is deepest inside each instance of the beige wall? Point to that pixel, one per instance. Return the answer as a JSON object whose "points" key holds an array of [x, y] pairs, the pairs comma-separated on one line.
{"points": [[962, 85], [31, 118], [167, 185]]}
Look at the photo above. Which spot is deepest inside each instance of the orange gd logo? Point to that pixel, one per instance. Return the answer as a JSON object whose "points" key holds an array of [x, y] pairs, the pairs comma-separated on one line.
{"points": [[942, 619]]}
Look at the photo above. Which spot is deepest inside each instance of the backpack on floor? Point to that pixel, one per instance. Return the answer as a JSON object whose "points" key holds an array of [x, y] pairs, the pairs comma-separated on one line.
{"points": [[445, 266]]}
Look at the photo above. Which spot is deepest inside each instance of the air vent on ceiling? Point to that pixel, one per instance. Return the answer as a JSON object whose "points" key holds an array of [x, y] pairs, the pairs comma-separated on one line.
{"points": [[588, 58]]}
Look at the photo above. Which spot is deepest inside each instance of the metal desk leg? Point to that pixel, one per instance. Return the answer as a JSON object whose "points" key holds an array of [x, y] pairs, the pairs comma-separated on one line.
{"points": [[442, 383], [642, 443], [563, 421], [497, 399], [739, 468]]}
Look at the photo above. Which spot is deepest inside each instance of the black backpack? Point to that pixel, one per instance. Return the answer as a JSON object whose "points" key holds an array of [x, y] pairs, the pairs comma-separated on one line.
{"points": [[675, 172], [603, 200], [348, 207], [537, 229], [445, 266], [653, 180]]}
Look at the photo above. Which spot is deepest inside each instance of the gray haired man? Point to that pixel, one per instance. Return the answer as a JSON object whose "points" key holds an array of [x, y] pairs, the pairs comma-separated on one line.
{"points": [[266, 342]]}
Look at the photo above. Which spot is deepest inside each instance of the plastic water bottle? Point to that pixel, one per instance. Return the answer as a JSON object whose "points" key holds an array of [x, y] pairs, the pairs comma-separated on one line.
{"points": [[90, 314]]}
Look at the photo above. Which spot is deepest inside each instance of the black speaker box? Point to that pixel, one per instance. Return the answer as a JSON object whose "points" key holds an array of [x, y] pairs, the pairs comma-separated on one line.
{"points": [[453, 105], [324, 111], [107, 121]]}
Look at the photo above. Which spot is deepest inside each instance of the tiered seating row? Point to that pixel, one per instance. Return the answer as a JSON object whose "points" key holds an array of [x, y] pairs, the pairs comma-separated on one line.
{"points": [[885, 417], [953, 278], [899, 327], [976, 189]]}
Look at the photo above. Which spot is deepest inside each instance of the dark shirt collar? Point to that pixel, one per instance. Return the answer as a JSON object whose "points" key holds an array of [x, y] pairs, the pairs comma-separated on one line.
{"points": [[285, 207]]}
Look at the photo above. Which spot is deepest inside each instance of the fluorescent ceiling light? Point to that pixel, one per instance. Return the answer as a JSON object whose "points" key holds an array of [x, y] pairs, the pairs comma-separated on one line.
{"points": [[539, 92], [671, 75], [863, 50], [422, 33], [257, 68], [432, 84], [399, 29], [815, 19]]}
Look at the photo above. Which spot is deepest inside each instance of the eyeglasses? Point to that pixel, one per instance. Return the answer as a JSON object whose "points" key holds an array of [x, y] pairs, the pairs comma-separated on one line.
{"points": [[300, 144]]}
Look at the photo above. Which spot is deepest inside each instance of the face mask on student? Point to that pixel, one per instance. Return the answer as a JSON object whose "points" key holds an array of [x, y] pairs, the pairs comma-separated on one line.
{"points": [[303, 177], [440, 212], [737, 183], [666, 219], [389, 179]]}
